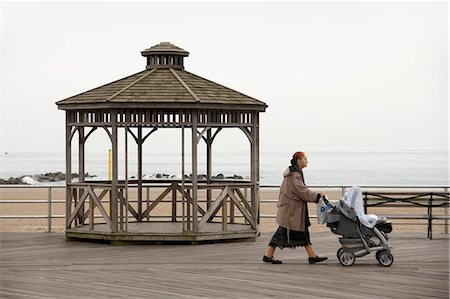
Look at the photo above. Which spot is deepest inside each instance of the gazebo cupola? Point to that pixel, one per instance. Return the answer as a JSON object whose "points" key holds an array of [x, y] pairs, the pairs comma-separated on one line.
{"points": [[165, 55]]}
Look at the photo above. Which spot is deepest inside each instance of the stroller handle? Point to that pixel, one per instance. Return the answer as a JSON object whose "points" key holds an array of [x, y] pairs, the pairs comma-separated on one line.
{"points": [[325, 199]]}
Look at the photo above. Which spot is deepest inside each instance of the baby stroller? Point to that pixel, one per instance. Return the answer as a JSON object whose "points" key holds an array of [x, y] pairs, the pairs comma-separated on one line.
{"points": [[361, 233]]}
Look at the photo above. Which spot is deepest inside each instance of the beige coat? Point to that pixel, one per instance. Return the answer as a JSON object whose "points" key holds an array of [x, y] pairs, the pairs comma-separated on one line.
{"points": [[292, 202]]}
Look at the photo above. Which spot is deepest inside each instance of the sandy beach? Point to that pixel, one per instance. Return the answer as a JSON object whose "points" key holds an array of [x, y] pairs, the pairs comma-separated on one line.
{"points": [[268, 198]]}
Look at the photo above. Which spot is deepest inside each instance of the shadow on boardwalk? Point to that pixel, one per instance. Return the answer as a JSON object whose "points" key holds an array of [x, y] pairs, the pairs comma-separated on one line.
{"points": [[41, 265]]}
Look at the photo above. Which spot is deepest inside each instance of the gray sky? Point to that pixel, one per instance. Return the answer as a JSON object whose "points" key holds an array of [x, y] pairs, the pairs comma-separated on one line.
{"points": [[334, 74]]}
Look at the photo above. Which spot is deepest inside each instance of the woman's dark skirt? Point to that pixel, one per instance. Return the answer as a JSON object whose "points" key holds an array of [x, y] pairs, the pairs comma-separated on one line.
{"points": [[296, 238]]}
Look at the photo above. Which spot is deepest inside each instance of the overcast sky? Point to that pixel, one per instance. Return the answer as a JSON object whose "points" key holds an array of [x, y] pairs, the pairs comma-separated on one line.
{"points": [[334, 74]]}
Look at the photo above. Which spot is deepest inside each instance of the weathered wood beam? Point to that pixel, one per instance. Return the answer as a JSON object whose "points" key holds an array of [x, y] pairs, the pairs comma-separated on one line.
{"points": [[189, 199], [242, 209], [157, 201], [100, 208], [115, 174], [139, 173], [89, 134], [100, 197], [194, 172], [77, 208], [68, 168], [214, 208], [109, 133], [243, 199], [130, 208]]}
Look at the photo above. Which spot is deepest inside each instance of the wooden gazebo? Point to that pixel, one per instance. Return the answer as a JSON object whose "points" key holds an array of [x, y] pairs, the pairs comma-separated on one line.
{"points": [[164, 95]]}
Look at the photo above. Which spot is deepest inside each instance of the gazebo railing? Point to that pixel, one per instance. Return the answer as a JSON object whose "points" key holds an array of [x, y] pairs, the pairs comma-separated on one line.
{"points": [[227, 201], [50, 196]]}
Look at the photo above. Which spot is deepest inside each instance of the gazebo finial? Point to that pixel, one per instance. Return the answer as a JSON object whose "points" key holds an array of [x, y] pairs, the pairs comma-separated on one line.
{"points": [[165, 55]]}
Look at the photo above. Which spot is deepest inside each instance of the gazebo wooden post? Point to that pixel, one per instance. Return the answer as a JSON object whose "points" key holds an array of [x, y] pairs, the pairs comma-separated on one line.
{"points": [[68, 167], [194, 171], [139, 174], [257, 161], [81, 169], [208, 167], [183, 198], [254, 169], [115, 174]]}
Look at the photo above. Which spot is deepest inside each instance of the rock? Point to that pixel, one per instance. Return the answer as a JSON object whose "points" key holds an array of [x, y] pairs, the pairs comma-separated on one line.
{"points": [[13, 181], [86, 175], [50, 177], [235, 177], [42, 178]]}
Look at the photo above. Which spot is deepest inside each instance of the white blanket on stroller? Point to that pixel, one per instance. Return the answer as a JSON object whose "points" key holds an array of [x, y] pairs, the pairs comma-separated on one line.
{"points": [[353, 199]]}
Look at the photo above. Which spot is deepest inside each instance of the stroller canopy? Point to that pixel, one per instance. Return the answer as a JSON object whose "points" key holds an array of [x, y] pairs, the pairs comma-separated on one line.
{"points": [[353, 199]]}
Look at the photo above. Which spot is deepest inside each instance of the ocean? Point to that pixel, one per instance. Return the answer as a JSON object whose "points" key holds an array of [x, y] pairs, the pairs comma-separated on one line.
{"points": [[326, 167]]}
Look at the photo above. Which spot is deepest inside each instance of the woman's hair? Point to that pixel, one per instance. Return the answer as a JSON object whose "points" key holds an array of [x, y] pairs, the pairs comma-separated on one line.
{"points": [[296, 156]]}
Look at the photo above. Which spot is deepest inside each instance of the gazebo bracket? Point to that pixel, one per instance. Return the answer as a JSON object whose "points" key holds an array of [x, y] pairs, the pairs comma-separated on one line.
{"points": [[201, 134], [90, 132], [109, 133], [141, 141], [208, 140], [247, 133], [149, 133], [72, 133], [215, 134]]}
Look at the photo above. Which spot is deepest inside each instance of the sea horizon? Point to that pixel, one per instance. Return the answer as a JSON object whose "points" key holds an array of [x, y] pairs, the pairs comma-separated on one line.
{"points": [[338, 166]]}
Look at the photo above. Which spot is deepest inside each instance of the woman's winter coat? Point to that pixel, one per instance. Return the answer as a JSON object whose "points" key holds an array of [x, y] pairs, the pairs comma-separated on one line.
{"points": [[292, 202]]}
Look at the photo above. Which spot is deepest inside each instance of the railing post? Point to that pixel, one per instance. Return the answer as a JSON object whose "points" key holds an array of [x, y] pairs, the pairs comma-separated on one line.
{"points": [[49, 207], [225, 214], [148, 201], [231, 212], [174, 202], [446, 213], [430, 217]]}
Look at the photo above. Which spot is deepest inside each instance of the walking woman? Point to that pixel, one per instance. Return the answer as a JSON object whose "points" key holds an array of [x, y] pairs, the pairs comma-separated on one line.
{"points": [[292, 214]]}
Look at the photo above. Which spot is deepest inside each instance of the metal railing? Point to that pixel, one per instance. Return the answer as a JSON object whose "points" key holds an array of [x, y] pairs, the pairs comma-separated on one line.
{"points": [[50, 201]]}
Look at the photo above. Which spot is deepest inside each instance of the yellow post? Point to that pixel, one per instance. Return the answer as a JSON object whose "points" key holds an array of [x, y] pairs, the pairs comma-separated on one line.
{"points": [[108, 208]]}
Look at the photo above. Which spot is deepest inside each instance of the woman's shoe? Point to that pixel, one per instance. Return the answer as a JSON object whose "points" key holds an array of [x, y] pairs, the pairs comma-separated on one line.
{"points": [[316, 259], [271, 260]]}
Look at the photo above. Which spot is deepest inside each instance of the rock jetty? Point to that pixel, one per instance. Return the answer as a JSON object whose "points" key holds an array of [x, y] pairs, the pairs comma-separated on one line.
{"points": [[49, 177]]}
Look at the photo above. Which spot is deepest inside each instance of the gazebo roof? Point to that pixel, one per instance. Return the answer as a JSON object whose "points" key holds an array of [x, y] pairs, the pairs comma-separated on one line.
{"points": [[162, 85], [163, 48]]}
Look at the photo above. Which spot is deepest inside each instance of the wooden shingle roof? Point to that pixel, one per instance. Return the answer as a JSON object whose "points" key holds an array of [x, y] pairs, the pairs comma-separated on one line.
{"points": [[164, 48], [162, 88]]}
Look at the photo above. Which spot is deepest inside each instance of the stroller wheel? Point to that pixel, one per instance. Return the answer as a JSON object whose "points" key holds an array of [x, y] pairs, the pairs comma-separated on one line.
{"points": [[339, 252], [385, 258], [346, 257]]}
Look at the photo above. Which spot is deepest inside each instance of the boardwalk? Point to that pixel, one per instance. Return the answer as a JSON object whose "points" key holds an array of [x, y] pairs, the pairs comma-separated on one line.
{"points": [[42, 265]]}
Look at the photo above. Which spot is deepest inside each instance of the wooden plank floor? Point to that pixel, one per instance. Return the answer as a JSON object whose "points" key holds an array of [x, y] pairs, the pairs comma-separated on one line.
{"points": [[42, 265]]}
